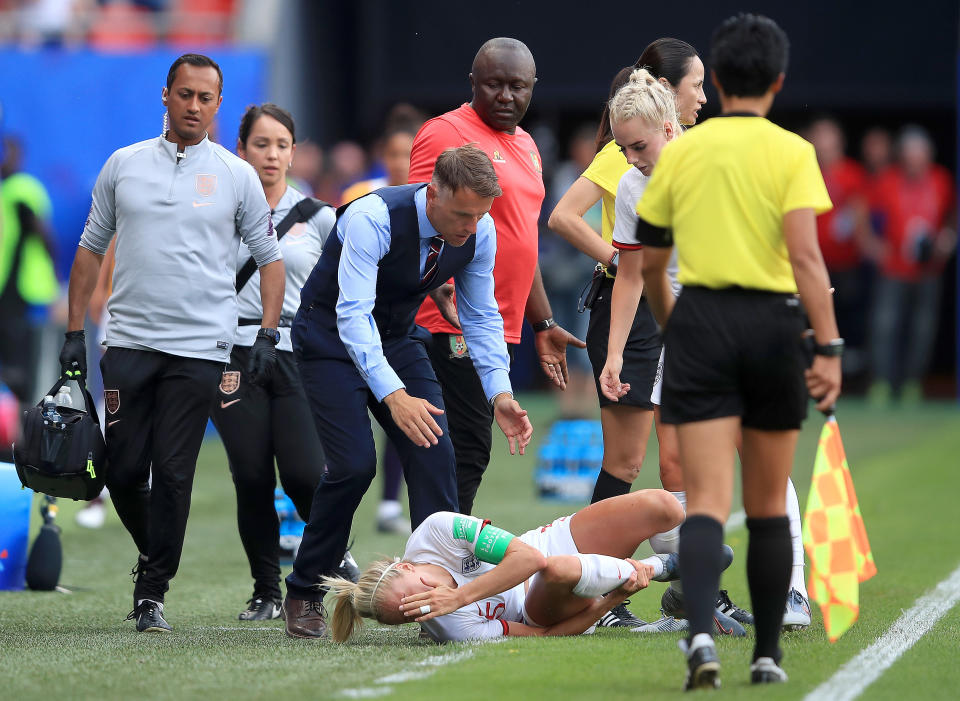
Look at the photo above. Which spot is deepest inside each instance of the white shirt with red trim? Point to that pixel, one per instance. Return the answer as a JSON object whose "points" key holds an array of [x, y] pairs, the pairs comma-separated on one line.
{"points": [[629, 191], [439, 541]]}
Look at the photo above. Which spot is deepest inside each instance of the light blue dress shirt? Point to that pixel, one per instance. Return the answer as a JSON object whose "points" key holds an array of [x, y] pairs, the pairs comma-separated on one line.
{"points": [[364, 231]]}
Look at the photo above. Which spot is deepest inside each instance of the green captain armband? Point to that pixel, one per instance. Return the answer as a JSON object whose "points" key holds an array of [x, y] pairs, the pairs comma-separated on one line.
{"points": [[492, 544]]}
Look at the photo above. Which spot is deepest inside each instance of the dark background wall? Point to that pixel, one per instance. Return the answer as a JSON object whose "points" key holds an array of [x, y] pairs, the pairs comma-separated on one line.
{"points": [[868, 62]]}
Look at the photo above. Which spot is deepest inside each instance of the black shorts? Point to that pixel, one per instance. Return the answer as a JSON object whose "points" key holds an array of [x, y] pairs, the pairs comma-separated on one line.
{"points": [[641, 354], [735, 352]]}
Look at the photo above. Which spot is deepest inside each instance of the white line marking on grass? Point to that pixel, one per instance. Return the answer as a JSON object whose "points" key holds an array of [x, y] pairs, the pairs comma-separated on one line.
{"points": [[736, 520], [433, 663], [864, 669]]}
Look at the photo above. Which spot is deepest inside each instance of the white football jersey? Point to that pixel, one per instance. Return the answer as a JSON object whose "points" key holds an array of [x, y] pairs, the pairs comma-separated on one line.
{"points": [[449, 540]]}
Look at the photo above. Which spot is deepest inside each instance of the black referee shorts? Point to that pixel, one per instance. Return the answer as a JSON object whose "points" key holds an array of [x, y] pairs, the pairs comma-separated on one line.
{"points": [[641, 354], [735, 352]]}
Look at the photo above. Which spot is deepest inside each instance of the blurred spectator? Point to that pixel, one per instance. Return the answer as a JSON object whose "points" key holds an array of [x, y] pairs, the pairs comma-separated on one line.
{"points": [[843, 232], [307, 169], [566, 273], [876, 154], [28, 283], [917, 203], [395, 156], [346, 165]]}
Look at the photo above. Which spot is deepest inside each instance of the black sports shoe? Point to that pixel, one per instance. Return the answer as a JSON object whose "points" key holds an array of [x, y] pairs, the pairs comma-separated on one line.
{"points": [[348, 568], [149, 617], [262, 608], [726, 606], [703, 666], [620, 617]]}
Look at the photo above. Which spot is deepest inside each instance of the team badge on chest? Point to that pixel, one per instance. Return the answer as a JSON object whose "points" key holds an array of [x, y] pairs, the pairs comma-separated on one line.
{"points": [[206, 184], [469, 564], [230, 381]]}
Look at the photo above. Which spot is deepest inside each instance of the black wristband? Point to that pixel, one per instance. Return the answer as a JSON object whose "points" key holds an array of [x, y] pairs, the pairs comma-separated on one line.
{"points": [[830, 349], [547, 323], [70, 335]]}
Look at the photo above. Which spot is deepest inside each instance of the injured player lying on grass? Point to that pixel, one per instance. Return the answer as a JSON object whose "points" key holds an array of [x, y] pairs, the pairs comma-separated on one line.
{"points": [[462, 578]]}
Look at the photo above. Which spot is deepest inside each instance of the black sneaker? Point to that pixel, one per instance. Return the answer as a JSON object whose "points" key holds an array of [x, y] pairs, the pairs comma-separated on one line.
{"points": [[726, 606], [703, 666], [620, 617], [671, 603], [348, 568], [262, 608], [149, 617]]}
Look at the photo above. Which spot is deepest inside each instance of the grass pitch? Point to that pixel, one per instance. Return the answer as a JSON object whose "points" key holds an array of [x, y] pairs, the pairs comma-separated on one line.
{"points": [[77, 646]]}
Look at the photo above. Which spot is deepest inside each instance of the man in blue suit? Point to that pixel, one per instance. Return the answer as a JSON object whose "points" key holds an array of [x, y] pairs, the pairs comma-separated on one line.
{"points": [[358, 349]]}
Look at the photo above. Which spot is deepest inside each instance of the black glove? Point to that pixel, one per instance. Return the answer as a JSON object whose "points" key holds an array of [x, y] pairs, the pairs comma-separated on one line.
{"points": [[263, 358], [73, 356]]}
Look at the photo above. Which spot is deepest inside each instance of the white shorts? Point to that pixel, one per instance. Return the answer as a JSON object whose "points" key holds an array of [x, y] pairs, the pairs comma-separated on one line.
{"points": [[658, 383], [553, 539]]}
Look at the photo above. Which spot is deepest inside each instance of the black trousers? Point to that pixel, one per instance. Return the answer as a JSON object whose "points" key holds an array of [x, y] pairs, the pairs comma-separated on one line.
{"points": [[340, 400], [156, 413], [469, 414], [260, 423]]}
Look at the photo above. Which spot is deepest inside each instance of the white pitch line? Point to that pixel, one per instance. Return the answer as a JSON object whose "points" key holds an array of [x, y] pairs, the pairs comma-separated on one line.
{"points": [[864, 669], [432, 663]]}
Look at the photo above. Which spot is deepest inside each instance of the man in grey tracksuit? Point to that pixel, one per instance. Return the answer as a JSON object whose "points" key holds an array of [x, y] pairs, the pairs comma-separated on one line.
{"points": [[179, 205]]}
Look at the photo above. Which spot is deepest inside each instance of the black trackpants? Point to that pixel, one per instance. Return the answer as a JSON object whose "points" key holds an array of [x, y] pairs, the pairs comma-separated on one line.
{"points": [[156, 413], [257, 424], [469, 414]]}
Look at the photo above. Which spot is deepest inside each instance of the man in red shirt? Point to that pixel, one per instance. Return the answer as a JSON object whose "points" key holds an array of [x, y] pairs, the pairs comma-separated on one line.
{"points": [[917, 202], [502, 79]]}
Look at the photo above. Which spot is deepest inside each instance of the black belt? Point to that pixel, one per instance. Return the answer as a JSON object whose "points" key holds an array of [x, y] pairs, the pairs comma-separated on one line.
{"points": [[285, 322]]}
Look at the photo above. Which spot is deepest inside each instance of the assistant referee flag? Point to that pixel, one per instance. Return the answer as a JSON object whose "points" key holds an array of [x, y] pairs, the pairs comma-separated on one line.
{"points": [[834, 536]]}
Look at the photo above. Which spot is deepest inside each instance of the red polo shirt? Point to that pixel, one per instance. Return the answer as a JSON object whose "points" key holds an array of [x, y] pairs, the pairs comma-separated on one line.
{"points": [[912, 209], [517, 163], [846, 183]]}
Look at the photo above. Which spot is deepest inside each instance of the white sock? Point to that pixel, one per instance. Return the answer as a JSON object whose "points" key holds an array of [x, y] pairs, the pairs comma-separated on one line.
{"points": [[389, 509], [600, 574], [669, 541], [796, 534], [159, 604], [656, 563], [699, 640], [796, 580]]}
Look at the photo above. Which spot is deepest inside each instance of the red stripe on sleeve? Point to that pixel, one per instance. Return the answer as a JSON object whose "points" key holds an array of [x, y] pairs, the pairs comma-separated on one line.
{"points": [[627, 246], [506, 627]]}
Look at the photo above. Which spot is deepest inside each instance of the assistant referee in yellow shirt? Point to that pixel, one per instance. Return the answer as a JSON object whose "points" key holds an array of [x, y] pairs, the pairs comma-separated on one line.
{"points": [[738, 196]]}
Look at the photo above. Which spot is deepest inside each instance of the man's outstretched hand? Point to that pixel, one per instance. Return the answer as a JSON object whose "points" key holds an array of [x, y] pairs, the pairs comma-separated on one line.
{"points": [[513, 421], [551, 347], [414, 416]]}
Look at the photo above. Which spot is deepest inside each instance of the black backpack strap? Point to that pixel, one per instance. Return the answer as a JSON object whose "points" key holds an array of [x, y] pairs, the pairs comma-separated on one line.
{"points": [[300, 212]]}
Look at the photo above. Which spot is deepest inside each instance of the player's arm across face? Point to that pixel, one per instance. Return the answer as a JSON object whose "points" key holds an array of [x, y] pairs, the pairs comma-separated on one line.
{"points": [[515, 562]]}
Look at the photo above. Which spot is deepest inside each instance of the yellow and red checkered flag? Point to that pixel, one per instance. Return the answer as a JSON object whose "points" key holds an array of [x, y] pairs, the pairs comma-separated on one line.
{"points": [[834, 536]]}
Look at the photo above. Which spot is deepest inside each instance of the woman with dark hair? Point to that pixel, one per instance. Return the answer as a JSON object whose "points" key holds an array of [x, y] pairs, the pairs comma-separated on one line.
{"points": [[627, 423], [262, 422]]}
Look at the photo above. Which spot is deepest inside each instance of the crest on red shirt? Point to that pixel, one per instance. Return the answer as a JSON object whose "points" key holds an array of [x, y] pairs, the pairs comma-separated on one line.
{"points": [[206, 184], [498, 157], [535, 159]]}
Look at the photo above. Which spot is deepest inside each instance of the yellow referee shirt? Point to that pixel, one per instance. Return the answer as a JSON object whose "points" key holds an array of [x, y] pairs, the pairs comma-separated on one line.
{"points": [[723, 189], [606, 169]]}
